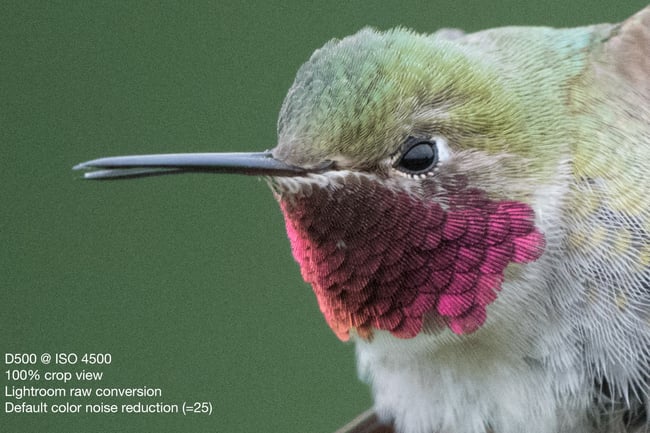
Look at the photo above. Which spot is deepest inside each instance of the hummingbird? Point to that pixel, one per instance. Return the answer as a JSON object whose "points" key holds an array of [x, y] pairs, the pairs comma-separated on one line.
{"points": [[471, 210]]}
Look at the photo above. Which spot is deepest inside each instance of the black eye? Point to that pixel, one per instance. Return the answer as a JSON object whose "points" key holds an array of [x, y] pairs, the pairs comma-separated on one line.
{"points": [[419, 158]]}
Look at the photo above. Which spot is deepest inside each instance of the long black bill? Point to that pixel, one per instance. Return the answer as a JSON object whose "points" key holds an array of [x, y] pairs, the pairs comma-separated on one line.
{"points": [[252, 164]]}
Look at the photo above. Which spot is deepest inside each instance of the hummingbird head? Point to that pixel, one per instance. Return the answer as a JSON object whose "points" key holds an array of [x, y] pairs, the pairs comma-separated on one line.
{"points": [[402, 172], [423, 208]]}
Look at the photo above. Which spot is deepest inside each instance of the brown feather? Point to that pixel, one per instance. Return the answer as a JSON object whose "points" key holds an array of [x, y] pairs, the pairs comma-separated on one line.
{"points": [[628, 51], [366, 422]]}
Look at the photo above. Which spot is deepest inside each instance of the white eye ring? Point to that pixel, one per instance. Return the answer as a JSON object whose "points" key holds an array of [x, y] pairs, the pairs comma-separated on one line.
{"points": [[444, 152]]}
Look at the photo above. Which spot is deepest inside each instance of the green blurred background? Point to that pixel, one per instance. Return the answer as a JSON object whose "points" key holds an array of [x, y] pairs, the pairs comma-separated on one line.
{"points": [[187, 281]]}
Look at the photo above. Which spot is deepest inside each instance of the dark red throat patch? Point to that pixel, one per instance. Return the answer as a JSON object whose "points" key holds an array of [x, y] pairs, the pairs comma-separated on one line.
{"points": [[381, 258]]}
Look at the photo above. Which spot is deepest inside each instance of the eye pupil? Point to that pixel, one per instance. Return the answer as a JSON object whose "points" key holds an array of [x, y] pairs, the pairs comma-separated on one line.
{"points": [[419, 158]]}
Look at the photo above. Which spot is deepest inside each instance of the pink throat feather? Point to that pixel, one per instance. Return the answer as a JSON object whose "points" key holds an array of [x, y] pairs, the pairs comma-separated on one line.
{"points": [[382, 258]]}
